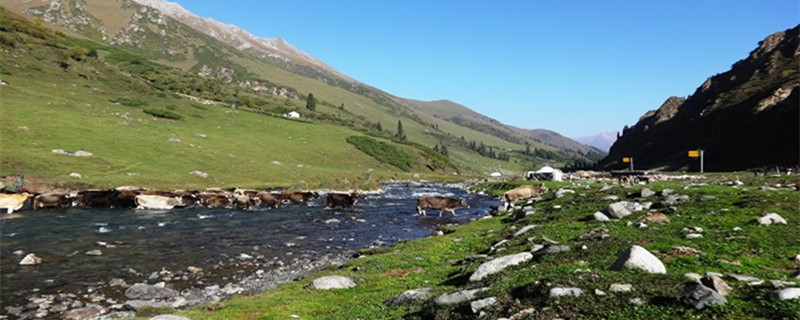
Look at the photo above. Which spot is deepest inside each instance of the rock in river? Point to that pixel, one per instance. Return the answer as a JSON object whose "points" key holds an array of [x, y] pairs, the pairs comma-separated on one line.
{"points": [[143, 291]]}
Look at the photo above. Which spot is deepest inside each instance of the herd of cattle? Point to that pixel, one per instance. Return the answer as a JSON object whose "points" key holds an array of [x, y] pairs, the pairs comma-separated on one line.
{"points": [[130, 197]]}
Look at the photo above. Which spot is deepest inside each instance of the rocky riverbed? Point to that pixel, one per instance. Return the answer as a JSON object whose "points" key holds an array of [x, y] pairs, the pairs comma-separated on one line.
{"points": [[113, 262]]}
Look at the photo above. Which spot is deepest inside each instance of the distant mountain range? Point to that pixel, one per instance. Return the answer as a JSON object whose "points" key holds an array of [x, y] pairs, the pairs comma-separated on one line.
{"points": [[746, 117], [602, 141]]}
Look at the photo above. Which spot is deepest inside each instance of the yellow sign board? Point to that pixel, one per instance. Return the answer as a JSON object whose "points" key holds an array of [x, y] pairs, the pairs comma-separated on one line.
{"points": [[694, 153], [626, 160]]}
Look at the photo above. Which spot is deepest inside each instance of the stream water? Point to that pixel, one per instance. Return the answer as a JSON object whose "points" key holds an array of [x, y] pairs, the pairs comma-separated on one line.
{"points": [[138, 244]]}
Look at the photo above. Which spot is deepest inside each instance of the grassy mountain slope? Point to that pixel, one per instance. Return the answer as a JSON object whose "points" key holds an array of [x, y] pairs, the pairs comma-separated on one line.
{"points": [[63, 93], [252, 82]]}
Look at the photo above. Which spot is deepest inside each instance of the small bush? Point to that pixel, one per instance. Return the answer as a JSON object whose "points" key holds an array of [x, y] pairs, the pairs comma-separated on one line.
{"points": [[383, 152], [129, 102], [162, 113]]}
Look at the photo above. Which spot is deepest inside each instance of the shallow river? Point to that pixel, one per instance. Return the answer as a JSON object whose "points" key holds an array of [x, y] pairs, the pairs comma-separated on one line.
{"points": [[140, 243]]}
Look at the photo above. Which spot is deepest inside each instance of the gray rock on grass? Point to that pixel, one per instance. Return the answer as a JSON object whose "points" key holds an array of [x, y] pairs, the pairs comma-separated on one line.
{"points": [[332, 282], [700, 296], [786, 294], [770, 219], [457, 297], [498, 264], [565, 292], [409, 296]]}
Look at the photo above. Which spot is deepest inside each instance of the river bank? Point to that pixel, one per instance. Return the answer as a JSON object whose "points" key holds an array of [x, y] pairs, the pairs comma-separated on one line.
{"points": [[190, 256]]}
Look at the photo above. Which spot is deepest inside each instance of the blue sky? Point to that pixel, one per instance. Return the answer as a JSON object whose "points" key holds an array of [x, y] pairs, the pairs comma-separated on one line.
{"points": [[574, 67]]}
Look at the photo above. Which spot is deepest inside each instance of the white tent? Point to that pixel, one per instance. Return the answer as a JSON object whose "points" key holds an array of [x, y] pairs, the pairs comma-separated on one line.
{"points": [[545, 173]]}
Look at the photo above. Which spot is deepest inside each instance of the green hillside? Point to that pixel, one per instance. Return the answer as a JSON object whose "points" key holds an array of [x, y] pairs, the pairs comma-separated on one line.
{"points": [[218, 111]]}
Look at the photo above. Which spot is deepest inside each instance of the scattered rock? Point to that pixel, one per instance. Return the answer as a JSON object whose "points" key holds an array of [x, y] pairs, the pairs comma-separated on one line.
{"points": [[333, 221], [599, 292], [565, 292], [693, 236], [30, 260], [457, 297], [752, 281], [672, 200], [332, 282], [646, 192], [556, 249], [76, 175], [145, 291], [193, 269], [117, 282], [678, 251], [611, 198], [94, 253], [199, 173], [707, 198], [498, 264], [599, 216], [524, 229], [479, 305], [619, 287], [636, 301], [622, 209], [605, 187], [409, 296], [82, 313], [772, 218], [716, 284], [82, 153], [700, 296], [777, 284], [786, 294], [563, 192], [639, 258], [137, 304], [693, 277]]}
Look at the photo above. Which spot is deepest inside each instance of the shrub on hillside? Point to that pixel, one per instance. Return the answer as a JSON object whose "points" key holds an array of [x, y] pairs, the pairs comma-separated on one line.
{"points": [[162, 113], [383, 152], [129, 102]]}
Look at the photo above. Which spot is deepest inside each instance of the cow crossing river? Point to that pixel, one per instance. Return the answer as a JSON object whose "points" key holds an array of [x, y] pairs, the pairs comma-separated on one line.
{"points": [[151, 246]]}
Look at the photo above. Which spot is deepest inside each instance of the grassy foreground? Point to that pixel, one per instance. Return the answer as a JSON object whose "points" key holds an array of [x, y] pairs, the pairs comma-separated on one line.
{"points": [[442, 263]]}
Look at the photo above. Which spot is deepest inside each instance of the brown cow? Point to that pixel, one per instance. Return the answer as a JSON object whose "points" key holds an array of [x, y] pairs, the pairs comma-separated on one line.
{"points": [[299, 196], [523, 192], [441, 203], [271, 199], [344, 200], [98, 198], [126, 198], [215, 200], [52, 200]]}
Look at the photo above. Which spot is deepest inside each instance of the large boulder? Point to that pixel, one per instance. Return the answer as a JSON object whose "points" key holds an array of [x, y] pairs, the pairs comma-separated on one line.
{"points": [[498, 264], [332, 282], [639, 258]]}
